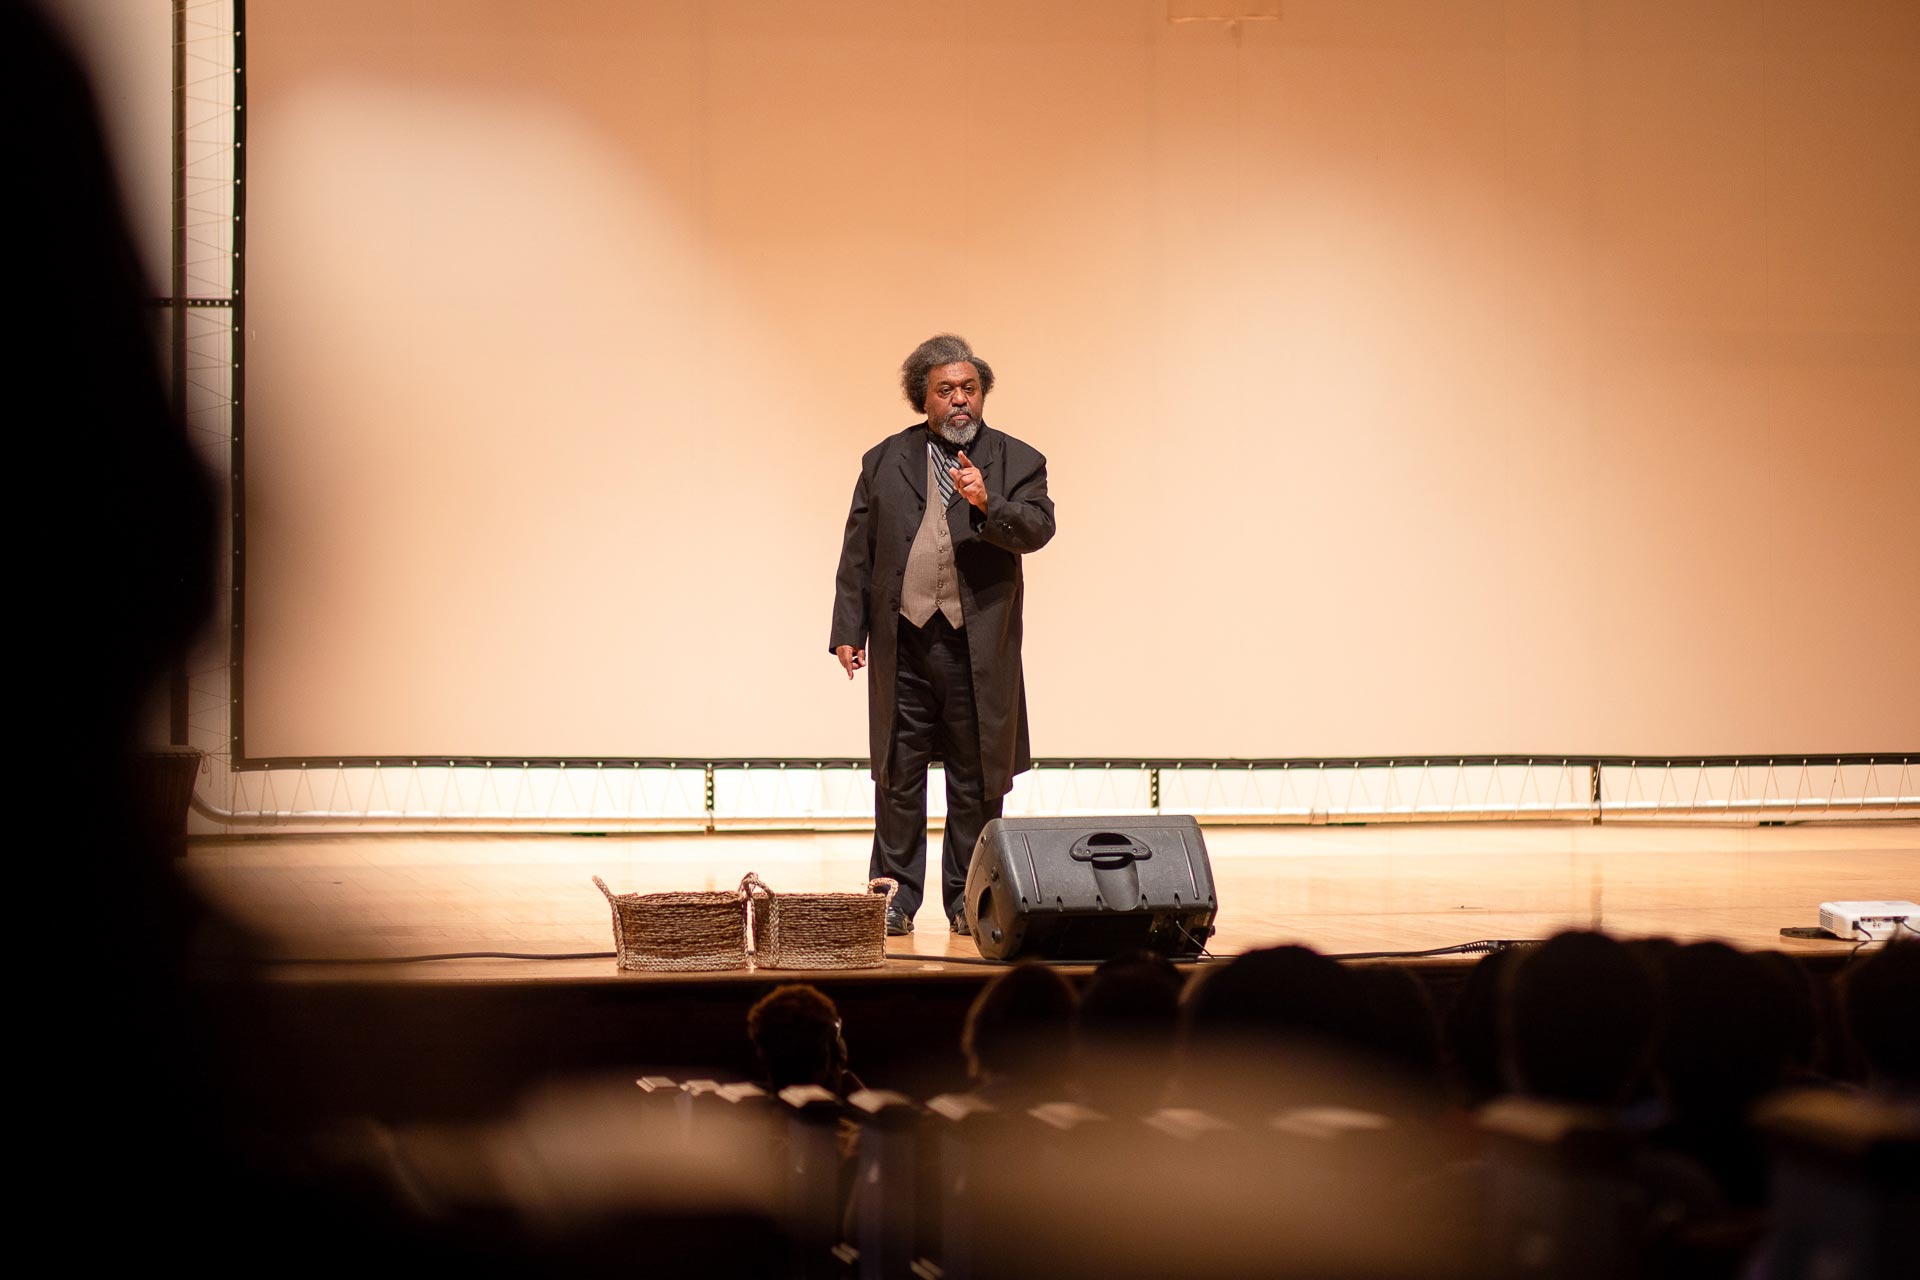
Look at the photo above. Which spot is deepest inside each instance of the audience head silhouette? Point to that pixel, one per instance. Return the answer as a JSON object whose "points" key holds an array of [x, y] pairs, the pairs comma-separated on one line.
{"points": [[1405, 1028], [1278, 993], [1879, 1000], [1580, 1019], [1473, 1030], [1126, 1031], [795, 1029], [1798, 1013], [1017, 1029], [1727, 1030]]}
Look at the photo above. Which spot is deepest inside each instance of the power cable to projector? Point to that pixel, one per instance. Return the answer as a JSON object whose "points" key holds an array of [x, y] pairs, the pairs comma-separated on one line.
{"points": [[1867, 937], [1815, 933]]}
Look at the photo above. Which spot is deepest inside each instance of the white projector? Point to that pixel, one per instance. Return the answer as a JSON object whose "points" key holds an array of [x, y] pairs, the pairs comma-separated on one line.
{"points": [[1870, 920]]}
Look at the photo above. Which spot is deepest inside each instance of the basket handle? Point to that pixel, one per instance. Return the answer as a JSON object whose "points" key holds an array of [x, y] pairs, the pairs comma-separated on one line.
{"points": [[751, 887], [893, 887], [613, 909]]}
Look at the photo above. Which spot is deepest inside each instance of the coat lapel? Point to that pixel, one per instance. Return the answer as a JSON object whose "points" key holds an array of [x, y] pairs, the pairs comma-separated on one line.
{"points": [[991, 449], [913, 460]]}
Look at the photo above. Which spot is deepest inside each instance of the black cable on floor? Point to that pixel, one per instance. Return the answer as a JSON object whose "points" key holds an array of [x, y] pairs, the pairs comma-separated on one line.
{"points": [[1046, 960], [453, 955], [1480, 947], [1483, 946]]}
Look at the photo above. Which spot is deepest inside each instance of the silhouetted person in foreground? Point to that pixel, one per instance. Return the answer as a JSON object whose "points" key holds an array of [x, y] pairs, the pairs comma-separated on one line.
{"points": [[1277, 1028], [1278, 993], [1582, 1023], [1126, 1033], [1799, 1017], [1725, 1047], [1580, 1017], [1405, 1028], [1880, 1000], [1475, 1048], [156, 1113], [795, 1030], [1016, 1037]]}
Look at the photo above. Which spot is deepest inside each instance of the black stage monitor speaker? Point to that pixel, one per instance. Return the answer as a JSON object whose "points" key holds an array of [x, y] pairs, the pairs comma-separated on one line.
{"points": [[1090, 888]]}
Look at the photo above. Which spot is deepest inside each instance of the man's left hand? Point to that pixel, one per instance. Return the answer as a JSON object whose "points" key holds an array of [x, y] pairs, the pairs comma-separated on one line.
{"points": [[967, 479]]}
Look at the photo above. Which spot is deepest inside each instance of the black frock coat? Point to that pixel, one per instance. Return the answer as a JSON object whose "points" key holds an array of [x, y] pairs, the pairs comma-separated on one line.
{"points": [[889, 500]]}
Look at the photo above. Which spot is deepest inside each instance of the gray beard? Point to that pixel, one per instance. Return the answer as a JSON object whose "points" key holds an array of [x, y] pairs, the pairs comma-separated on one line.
{"points": [[961, 436]]}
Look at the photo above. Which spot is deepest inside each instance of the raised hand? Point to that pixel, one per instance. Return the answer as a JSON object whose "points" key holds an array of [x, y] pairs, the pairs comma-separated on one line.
{"points": [[968, 480]]}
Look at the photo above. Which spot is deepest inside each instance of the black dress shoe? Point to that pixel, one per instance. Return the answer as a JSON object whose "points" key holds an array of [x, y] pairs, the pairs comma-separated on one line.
{"points": [[959, 924], [898, 922]]}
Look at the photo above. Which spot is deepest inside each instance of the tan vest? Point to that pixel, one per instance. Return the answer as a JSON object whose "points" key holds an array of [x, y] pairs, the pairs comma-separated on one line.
{"points": [[932, 583]]}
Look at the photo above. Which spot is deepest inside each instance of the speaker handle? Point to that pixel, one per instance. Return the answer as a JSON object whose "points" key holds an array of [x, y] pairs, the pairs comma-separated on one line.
{"points": [[1110, 850]]}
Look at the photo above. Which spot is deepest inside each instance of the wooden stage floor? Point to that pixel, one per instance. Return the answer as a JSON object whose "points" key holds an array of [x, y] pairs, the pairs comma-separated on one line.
{"points": [[1339, 889]]}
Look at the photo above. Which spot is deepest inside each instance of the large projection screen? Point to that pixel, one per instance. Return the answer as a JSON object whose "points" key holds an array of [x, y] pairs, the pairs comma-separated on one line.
{"points": [[1416, 378]]}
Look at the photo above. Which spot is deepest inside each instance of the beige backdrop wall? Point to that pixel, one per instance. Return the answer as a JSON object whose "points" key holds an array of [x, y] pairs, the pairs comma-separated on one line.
{"points": [[1418, 377]]}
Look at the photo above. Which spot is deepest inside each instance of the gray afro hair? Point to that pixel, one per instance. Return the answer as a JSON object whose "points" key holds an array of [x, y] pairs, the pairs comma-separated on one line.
{"points": [[944, 348]]}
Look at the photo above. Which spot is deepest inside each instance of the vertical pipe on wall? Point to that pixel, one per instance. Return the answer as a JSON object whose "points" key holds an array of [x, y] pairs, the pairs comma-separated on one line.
{"points": [[237, 566], [177, 308]]}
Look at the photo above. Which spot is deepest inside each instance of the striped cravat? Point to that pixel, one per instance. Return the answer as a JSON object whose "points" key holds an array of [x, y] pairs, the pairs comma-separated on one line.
{"points": [[942, 461]]}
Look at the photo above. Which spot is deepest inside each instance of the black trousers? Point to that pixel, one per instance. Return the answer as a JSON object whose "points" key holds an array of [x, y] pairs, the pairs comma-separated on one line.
{"points": [[934, 714]]}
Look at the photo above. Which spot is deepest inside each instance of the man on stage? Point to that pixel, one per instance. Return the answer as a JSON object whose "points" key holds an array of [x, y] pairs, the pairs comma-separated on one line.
{"points": [[930, 585]]}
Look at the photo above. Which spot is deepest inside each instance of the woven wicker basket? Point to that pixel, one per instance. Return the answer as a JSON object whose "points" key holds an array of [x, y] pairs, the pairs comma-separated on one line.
{"points": [[819, 930], [164, 777], [678, 932]]}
